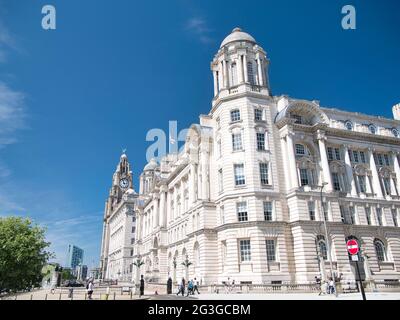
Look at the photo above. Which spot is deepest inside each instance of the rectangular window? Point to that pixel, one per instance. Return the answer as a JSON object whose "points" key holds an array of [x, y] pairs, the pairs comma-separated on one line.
{"points": [[264, 173], [258, 116], [220, 181], [352, 215], [250, 73], [394, 217], [351, 156], [239, 174], [131, 252], [386, 157], [335, 181], [267, 211], [362, 156], [368, 215], [337, 153], [132, 240], [361, 184], [386, 183], [260, 141], [222, 214], [219, 146], [379, 216], [355, 156], [304, 177], [245, 250], [342, 214], [271, 254], [326, 211], [237, 141], [330, 153], [300, 150], [311, 210], [133, 229], [380, 159], [235, 115], [242, 211]]}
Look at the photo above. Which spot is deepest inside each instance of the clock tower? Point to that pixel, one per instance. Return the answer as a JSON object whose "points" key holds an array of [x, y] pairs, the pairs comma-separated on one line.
{"points": [[121, 199]]}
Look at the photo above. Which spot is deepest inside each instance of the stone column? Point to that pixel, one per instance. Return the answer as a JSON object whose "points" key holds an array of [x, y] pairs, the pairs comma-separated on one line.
{"points": [[168, 207], [222, 75], [239, 64], [215, 76], [326, 173], [292, 160], [156, 213], [246, 75], [260, 73], [225, 70], [162, 207], [396, 166], [204, 174], [192, 186], [375, 176], [288, 180], [349, 171]]}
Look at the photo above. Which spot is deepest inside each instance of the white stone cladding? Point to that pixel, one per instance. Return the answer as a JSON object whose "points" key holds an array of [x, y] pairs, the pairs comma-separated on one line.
{"points": [[189, 210]]}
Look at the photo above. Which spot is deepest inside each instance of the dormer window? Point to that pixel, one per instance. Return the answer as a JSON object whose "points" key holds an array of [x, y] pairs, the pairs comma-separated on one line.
{"points": [[235, 115], [372, 129], [395, 133], [349, 125]]}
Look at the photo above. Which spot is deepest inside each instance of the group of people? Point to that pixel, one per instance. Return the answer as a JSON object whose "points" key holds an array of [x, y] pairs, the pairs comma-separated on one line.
{"points": [[191, 287], [325, 287]]}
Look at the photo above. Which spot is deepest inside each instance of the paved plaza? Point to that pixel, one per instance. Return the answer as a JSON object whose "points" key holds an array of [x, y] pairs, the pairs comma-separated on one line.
{"points": [[80, 295]]}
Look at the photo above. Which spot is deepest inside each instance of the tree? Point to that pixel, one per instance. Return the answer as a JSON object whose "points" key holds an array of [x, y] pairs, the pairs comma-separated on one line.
{"points": [[23, 254]]}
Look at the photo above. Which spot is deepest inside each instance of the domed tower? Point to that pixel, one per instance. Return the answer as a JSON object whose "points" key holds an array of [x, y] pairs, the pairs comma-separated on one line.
{"points": [[148, 177], [240, 65]]}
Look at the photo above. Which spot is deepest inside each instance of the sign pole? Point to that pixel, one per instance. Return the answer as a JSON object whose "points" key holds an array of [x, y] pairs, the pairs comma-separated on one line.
{"points": [[360, 282]]}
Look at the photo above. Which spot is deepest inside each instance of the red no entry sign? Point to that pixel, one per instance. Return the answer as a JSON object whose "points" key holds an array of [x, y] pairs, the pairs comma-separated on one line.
{"points": [[352, 247]]}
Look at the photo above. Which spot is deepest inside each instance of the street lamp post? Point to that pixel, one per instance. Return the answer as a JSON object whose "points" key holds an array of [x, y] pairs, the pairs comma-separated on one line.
{"points": [[328, 246]]}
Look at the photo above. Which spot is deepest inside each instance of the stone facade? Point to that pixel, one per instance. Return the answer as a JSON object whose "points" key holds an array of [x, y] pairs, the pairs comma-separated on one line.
{"points": [[243, 197]]}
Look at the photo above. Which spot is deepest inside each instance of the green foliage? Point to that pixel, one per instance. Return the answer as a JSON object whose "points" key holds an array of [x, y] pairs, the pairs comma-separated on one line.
{"points": [[66, 274], [22, 254]]}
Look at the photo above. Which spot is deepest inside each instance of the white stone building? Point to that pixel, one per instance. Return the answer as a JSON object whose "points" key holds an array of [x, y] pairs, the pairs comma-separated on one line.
{"points": [[242, 199], [119, 225]]}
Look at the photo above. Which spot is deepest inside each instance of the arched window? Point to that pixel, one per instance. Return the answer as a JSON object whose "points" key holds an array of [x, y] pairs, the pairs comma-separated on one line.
{"points": [[380, 250]]}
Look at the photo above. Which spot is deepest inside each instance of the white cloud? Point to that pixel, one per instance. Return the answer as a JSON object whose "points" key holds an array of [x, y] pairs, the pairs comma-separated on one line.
{"points": [[200, 28], [7, 42]]}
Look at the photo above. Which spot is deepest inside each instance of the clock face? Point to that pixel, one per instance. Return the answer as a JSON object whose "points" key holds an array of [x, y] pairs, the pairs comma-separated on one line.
{"points": [[124, 183]]}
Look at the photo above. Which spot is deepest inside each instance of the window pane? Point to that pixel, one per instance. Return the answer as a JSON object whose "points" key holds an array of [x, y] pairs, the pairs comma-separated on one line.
{"points": [[267, 211], [260, 141], [300, 150], [304, 177], [380, 251], [236, 141], [330, 153], [257, 114], [379, 215], [264, 173], [368, 215], [337, 153], [245, 250], [242, 211], [394, 217], [270, 245], [311, 210], [235, 115], [239, 174]]}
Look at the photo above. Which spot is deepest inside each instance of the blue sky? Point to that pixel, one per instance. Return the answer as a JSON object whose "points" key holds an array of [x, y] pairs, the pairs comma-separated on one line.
{"points": [[72, 98]]}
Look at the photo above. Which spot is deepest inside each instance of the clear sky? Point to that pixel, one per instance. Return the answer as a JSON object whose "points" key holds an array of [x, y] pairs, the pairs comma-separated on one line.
{"points": [[72, 98]]}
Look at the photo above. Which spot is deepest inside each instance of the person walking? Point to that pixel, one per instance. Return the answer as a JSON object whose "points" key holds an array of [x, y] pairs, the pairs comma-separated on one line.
{"points": [[190, 288], [141, 288], [90, 289], [181, 288], [169, 285], [107, 292], [331, 287], [196, 286]]}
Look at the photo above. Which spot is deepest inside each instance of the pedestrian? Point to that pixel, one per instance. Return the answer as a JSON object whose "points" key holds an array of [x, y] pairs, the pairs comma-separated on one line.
{"points": [[227, 285], [141, 286], [107, 292], [318, 284], [331, 287], [196, 286], [190, 288], [169, 285], [181, 288], [90, 289], [232, 285]]}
